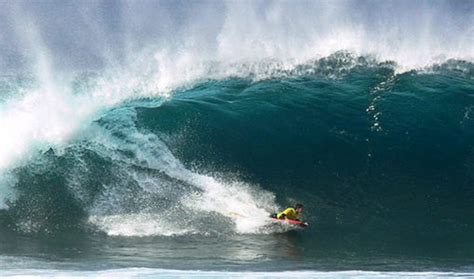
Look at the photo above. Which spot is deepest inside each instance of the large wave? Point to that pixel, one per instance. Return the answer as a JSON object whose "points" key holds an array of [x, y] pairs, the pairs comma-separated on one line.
{"points": [[121, 117], [149, 49]]}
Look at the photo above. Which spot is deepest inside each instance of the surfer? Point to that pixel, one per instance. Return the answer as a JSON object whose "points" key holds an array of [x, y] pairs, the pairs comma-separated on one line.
{"points": [[292, 213]]}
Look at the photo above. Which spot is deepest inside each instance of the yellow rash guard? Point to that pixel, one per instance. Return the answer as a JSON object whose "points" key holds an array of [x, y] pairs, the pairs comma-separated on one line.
{"points": [[290, 213]]}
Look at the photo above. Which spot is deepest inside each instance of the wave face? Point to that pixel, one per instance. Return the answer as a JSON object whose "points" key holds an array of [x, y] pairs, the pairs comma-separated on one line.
{"points": [[376, 157], [203, 123]]}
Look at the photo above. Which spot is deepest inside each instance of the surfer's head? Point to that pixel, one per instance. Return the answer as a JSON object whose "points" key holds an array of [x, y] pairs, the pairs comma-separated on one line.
{"points": [[299, 207]]}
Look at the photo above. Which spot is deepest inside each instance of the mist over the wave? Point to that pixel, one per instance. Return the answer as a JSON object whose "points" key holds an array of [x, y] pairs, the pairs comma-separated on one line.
{"points": [[80, 35]]}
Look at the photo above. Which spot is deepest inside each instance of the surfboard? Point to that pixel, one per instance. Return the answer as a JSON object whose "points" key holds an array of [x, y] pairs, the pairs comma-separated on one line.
{"points": [[292, 222]]}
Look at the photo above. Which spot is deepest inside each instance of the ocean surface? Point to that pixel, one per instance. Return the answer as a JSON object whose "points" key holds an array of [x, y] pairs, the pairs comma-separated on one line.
{"points": [[156, 143]]}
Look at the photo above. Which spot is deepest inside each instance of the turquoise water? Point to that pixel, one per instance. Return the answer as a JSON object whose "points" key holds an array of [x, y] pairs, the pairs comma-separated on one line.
{"points": [[385, 175]]}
